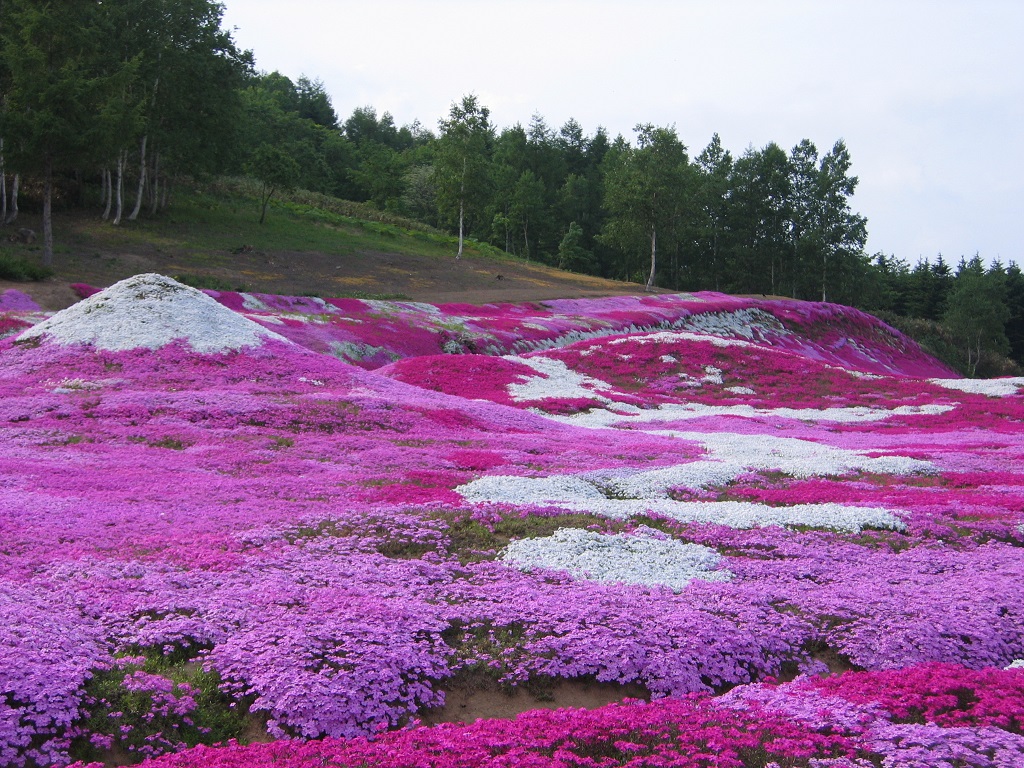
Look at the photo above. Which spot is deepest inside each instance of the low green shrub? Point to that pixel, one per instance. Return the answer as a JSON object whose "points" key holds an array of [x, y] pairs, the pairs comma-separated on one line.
{"points": [[22, 269]]}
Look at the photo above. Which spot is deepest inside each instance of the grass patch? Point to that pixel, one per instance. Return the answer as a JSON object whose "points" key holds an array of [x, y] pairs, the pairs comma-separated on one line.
{"points": [[215, 225], [150, 703], [472, 539]]}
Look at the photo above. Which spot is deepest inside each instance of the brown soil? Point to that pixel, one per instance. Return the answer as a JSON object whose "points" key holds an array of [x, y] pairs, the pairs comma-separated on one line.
{"points": [[466, 704], [471, 280]]}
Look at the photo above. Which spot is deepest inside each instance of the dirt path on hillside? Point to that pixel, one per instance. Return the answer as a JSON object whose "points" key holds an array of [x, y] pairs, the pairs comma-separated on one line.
{"points": [[434, 280]]}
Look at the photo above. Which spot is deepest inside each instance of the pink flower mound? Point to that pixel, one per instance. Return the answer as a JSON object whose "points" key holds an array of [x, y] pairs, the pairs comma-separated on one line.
{"points": [[477, 376], [84, 290], [374, 333], [271, 530]]}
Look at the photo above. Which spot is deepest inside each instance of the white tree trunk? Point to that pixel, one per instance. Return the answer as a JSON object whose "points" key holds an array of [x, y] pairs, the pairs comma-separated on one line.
{"points": [[654, 251], [119, 188], [12, 212], [462, 204], [107, 194], [824, 271], [461, 209], [48, 213], [142, 181], [3, 185]]}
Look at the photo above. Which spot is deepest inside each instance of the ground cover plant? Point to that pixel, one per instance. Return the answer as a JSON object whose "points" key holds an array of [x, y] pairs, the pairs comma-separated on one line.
{"points": [[228, 517]]}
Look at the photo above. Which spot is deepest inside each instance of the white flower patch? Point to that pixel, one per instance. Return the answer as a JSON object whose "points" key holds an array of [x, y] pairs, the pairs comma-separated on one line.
{"points": [[656, 483], [68, 386], [990, 387], [743, 323], [859, 374], [796, 457], [674, 337], [575, 494], [740, 390], [1015, 664], [600, 419], [641, 558], [557, 380], [253, 304], [712, 375], [150, 311], [529, 490], [664, 358], [385, 307], [748, 514]]}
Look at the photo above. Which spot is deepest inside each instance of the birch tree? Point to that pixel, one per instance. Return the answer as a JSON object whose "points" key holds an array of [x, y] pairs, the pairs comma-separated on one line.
{"points": [[646, 187], [714, 166], [462, 164], [843, 233]]}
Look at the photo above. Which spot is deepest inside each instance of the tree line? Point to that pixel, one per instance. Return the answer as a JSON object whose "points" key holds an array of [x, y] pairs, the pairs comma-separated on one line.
{"points": [[107, 102]]}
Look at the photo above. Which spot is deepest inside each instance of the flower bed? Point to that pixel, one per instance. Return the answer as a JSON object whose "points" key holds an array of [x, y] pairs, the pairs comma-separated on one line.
{"points": [[223, 512]]}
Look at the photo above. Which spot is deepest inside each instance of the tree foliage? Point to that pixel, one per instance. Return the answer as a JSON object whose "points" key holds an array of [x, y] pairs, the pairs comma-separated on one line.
{"points": [[275, 170], [646, 192], [976, 313], [462, 166]]}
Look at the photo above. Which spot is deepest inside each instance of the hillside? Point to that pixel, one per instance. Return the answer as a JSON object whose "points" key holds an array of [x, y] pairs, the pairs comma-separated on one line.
{"points": [[242, 516], [318, 248]]}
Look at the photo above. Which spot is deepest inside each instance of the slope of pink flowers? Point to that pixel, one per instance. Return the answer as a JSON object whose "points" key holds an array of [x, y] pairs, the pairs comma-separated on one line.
{"points": [[288, 517]]}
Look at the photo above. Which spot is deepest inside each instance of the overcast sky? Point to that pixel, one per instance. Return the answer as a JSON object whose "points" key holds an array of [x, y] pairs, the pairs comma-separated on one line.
{"points": [[927, 94]]}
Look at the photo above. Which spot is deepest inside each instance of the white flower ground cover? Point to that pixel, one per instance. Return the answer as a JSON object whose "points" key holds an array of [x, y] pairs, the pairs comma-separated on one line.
{"points": [[646, 557], [990, 387], [627, 414], [151, 311], [579, 494]]}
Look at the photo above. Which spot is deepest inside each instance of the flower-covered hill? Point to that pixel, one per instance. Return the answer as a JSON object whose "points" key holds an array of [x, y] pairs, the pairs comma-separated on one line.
{"points": [[212, 519], [374, 333]]}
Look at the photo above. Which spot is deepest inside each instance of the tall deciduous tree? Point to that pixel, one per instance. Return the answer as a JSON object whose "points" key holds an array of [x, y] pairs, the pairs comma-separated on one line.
{"points": [[711, 203], [461, 170], [275, 170], [527, 206], [757, 221], [976, 313], [646, 188], [841, 232], [188, 88]]}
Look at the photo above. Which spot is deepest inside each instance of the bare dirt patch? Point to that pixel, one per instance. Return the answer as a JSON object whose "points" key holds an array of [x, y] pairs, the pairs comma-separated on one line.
{"points": [[466, 704], [438, 280]]}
